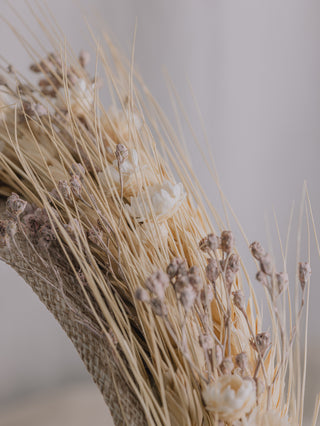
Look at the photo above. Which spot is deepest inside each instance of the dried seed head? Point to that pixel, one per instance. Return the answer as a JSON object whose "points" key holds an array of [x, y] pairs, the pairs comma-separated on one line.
{"points": [[158, 307], [142, 295], [212, 270], [234, 263], [242, 361], [266, 264], [15, 205], [173, 267], [262, 342], [64, 189], [226, 366], [121, 153], [238, 300], [227, 241], [209, 243], [35, 68], [257, 250], [76, 186], [304, 273], [182, 281], [206, 342], [157, 283], [282, 281], [187, 297], [84, 58]]}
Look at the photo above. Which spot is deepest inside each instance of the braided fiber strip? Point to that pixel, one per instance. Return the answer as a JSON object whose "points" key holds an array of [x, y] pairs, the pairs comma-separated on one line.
{"points": [[67, 304]]}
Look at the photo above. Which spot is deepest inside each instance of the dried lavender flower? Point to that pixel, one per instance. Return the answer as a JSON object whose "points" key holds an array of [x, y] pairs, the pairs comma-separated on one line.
{"points": [[304, 273], [227, 241]]}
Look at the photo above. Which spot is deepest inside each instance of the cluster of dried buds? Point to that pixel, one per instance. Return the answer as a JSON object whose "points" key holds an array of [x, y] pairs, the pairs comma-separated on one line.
{"points": [[72, 188], [32, 221], [54, 73]]}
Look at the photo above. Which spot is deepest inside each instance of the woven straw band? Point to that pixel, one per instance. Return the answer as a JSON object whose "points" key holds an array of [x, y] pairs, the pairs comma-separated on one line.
{"points": [[60, 294]]}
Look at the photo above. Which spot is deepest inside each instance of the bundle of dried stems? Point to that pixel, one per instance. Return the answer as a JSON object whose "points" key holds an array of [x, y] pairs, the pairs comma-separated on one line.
{"points": [[128, 260]]}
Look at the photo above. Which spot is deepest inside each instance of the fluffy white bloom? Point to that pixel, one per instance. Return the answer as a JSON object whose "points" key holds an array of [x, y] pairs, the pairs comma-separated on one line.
{"points": [[81, 96], [267, 418], [230, 397], [165, 199]]}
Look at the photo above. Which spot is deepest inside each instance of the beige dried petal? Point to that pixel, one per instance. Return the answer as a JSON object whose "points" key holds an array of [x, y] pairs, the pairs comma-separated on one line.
{"points": [[165, 199], [230, 397]]}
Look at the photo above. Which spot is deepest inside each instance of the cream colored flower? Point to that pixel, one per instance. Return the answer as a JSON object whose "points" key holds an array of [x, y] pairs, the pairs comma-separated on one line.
{"points": [[160, 200], [118, 122], [230, 397], [267, 418], [80, 96], [132, 174]]}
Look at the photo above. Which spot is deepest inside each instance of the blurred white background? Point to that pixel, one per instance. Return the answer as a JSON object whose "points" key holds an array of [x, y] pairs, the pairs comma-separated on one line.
{"points": [[254, 67]]}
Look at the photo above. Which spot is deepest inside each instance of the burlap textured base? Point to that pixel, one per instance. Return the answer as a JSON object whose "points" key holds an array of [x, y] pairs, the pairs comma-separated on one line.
{"points": [[60, 294]]}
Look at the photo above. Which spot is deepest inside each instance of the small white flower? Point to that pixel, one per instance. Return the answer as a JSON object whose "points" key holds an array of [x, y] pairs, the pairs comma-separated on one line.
{"points": [[80, 96], [165, 199], [230, 397]]}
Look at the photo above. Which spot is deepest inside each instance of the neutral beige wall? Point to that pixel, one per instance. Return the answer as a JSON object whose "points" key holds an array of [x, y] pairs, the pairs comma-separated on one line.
{"points": [[255, 69]]}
